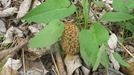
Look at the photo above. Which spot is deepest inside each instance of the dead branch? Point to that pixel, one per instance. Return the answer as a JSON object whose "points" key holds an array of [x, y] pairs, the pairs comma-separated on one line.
{"points": [[59, 59]]}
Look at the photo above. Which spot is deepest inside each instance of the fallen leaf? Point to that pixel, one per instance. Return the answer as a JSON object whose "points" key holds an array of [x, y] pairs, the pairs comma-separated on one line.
{"points": [[112, 42], [23, 9], [33, 30], [9, 35], [72, 65], [2, 27], [35, 3], [112, 59], [8, 71], [6, 3], [8, 12], [12, 63]]}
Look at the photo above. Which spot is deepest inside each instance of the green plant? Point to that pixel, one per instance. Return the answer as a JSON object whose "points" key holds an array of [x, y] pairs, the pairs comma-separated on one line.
{"points": [[92, 44], [123, 15], [3, 38], [3, 62]]}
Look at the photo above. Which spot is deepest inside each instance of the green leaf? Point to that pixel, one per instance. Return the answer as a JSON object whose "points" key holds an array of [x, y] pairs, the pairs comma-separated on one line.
{"points": [[121, 39], [48, 35], [100, 33], [85, 56], [89, 45], [50, 10], [104, 60], [1, 36], [99, 56], [115, 16], [120, 60], [5, 44], [100, 4], [119, 6], [129, 26], [130, 4]]}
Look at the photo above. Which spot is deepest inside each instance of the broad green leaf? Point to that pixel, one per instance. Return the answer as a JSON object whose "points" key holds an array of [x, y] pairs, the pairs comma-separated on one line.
{"points": [[89, 45], [85, 56], [115, 16], [104, 60], [50, 10], [100, 33], [99, 57], [119, 6], [100, 4], [48, 35], [130, 4], [120, 60]]}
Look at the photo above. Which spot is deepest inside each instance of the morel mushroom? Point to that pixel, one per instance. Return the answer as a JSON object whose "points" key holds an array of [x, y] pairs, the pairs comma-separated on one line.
{"points": [[69, 39]]}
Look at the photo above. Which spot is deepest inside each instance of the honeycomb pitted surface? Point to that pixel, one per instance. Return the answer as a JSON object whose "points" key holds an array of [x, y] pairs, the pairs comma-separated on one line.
{"points": [[69, 39]]}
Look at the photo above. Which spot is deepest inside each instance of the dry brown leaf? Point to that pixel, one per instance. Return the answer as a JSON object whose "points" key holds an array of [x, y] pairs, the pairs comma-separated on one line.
{"points": [[35, 3], [34, 67], [14, 49], [2, 27], [35, 53], [113, 60], [128, 70], [112, 42], [9, 35], [12, 63], [85, 70], [8, 71], [72, 65], [8, 12], [6, 3], [23, 9], [33, 30]]}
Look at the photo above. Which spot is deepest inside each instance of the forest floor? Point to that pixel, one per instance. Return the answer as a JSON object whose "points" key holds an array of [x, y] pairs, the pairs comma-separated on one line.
{"points": [[17, 58]]}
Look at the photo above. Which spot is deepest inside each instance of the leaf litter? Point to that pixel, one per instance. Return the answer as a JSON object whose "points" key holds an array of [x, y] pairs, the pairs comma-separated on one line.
{"points": [[38, 61]]}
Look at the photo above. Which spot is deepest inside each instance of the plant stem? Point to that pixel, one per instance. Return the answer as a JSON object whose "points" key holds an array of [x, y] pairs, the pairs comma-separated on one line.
{"points": [[86, 6]]}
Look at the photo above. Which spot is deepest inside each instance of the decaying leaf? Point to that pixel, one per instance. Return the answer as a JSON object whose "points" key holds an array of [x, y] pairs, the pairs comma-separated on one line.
{"points": [[112, 41], [8, 71], [8, 12], [18, 32], [85, 70], [24, 7], [2, 27], [9, 35], [112, 59], [12, 63], [10, 32], [6, 3], [34, 67], [35, 3], [35, 53], [33, 30], [73, 64]]}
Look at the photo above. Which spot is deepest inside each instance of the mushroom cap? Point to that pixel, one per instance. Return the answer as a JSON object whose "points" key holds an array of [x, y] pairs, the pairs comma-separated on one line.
{"points": [[70, 40]]}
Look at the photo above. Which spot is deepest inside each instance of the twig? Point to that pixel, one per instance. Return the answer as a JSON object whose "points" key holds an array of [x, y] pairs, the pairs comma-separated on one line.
{"points": [[121, 44], [24, 68], [59, 59], [125, 49], [11, 50], [55, 63]]}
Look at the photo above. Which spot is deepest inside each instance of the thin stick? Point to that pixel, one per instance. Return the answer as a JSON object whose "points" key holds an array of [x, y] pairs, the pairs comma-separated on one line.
{"points": [[125, 49], [121, 44], [24, 68], [55, 63], [59, 59]]}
